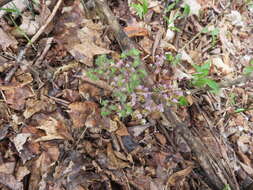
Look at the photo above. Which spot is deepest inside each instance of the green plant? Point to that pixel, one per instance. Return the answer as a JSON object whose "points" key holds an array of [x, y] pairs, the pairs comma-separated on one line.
{"points": [[249, 69], [182, 101], [125, 76], [227, 187], [201, 79], [178, 15], [141, 8], [214, 34], [14, 9], [173, 59]]}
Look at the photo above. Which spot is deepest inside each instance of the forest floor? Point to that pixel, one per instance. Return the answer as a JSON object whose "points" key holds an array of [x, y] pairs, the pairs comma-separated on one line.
{"points": [[126, 94]]}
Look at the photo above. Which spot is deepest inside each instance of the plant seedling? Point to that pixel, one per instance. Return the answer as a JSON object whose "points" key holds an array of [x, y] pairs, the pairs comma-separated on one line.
{"points": [[201, 78], [141, 8]]}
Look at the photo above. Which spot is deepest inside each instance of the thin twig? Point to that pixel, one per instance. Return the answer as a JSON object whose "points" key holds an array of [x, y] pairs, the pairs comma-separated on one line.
{"points": [[4, 2], [34, 38]]}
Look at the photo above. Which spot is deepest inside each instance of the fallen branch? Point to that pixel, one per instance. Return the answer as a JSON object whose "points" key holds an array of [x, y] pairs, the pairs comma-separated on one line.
{"points": [[217, 169]]}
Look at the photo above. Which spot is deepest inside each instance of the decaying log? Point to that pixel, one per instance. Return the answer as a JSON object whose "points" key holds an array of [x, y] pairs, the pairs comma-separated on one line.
{"points": [[217, 168]]}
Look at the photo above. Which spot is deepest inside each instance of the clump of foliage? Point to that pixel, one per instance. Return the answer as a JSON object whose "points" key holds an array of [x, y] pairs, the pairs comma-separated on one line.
{"points": [[214, 34], [125, 76], [201, 79], [249, 69], [141, 8]]}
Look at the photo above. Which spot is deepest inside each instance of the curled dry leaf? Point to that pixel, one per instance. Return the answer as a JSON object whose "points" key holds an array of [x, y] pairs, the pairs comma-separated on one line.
{"points": [[7, 168], [81, 43], [114, 162], [80, 111], [180, 175], [16, 96], [10, 182], [22, 172], [133, 31], [54, 129], [34, 106], [20, 140], [7, 40], [29, 26]]}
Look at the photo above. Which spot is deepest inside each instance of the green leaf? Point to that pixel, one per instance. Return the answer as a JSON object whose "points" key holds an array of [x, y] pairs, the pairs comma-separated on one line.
{"points": [[105, 111], [240, 110], [174, 28], [186, 10], [249, 69], [182, 101], [205, 30], [213, 85]]}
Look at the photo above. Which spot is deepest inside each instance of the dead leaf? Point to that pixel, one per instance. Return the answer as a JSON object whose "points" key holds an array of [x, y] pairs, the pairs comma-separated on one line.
{"points": [[28, 25], [16, 97], [180, 175], [34, 106], [7, 40], [122, 130], [20, 140], [133, 31], [10, 182], [54, 130], [79, 112], [82, 43], [225, 69], [7, 168], [22, 172], [161, 138], [114, 162]]}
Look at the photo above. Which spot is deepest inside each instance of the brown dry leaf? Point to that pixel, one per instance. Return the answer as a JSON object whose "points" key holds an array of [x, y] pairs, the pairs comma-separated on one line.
{"points": [[10, 182], [80, 111], [180, 175], [34, 106], [133, 31], [28, 25], [114, 162], [122, 130], [161, 138], [20, 140], [90, 90], [82, 43], [225, 69], [7, 168], [137, 130], [7, 40], [146, 44], [22, 172], [16, 97], [54, 129]]}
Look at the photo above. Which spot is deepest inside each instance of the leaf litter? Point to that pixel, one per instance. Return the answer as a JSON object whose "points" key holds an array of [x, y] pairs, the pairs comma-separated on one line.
{"points": [[52, 133]]}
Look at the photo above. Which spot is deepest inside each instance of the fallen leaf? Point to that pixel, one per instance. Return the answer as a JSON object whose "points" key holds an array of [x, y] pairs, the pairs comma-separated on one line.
{"points": [[34, 106], [7, 168], [180, 175], [54, 130], [16, 97], [79, 112], [10, 182], [20, 140], [218, 62], [22, 172], [114, 162], [7, 40], [28, 25], [133, 31], [161, 138]]}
